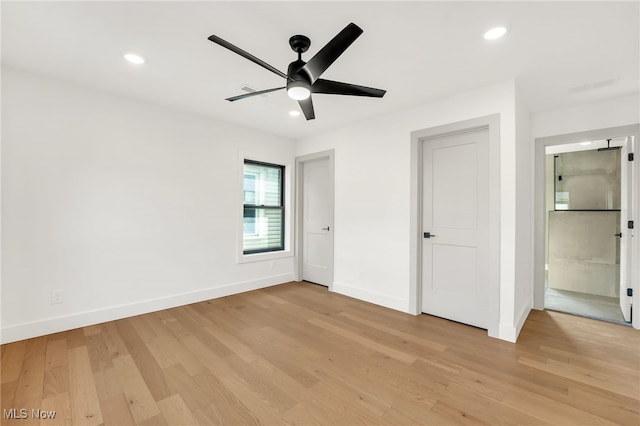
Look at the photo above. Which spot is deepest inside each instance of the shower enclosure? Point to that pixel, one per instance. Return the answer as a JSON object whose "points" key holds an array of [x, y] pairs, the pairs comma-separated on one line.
{"points": [[584, 226]]}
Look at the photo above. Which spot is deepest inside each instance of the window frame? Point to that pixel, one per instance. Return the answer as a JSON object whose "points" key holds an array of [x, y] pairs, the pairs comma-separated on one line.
{"points": [[273, 252], [244, 199]]}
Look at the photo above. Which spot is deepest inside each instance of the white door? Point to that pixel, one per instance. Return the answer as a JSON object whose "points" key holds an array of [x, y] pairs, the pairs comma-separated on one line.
{"points": [[317, 222], [455, 267], [626, 214]]}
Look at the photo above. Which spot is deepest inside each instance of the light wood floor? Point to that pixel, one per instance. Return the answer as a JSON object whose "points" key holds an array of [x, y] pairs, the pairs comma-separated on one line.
{"points": [[297, 354]]}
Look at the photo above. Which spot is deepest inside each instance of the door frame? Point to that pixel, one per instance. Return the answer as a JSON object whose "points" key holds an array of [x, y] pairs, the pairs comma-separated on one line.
{"points": [[540, 220], [299, 192], [492, 124]]}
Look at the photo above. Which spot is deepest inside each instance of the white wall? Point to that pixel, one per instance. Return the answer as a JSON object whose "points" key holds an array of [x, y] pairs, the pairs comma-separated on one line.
{"points": [[372, 197], [123, 205], [524, 214], [614, 112]]}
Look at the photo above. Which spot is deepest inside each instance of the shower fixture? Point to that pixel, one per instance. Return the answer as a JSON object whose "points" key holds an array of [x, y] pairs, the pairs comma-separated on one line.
{"points": [[609, 147]]}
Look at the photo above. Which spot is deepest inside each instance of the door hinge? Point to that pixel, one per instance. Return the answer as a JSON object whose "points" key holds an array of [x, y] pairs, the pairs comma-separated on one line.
{"points": [[630, 224], [630, 156], [630, 292]]}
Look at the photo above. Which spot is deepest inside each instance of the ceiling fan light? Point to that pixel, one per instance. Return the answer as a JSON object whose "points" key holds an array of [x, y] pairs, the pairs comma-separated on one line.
{"points": [[298, 91]]}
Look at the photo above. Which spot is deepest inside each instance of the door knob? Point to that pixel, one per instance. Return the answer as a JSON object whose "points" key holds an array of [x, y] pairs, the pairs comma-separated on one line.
{"points": [[326, 229], [619, 235], [429, 235]]}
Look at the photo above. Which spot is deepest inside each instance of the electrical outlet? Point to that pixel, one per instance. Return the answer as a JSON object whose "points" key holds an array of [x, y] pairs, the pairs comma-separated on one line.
{"points": [[57, 296]]}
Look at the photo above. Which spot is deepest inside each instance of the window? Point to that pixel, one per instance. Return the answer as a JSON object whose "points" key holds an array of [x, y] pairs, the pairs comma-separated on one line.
{"points": [[263, 215]]}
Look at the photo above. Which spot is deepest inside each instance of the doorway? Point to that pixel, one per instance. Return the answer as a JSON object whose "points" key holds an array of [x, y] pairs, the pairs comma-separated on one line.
{"points": [[586, 246], [629, 243], [455, 247], [314, 224], [455, 253]]}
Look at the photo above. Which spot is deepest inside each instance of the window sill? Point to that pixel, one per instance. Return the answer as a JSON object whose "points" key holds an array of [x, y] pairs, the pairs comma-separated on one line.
{"points": [[260, 257]]}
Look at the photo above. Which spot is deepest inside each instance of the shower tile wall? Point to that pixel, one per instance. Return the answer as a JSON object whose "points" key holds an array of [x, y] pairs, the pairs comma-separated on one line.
{"points": [[583, 251], [588, 180]]}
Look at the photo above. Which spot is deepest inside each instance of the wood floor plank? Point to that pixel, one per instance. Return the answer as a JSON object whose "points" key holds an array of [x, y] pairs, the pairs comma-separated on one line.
{"points": [[75, 338], [232, 343], [298, 354], [56, 381], [486, 409], [60, 404], [85, 405], [554, 412], [8, 393], [586, 376], [139, 397], [185, 357], [292, 359], [113, 341], [262, 381], [144, 360], [11, 360], [395, 332], [258, 404], [603, 404], [31, 380], [107, 384], [116, 411], [347, 335], [384, 389], [322, 402], [180, 382], [158, 349], [228, 408], [98, 351], [176, 412], [350, 394]]}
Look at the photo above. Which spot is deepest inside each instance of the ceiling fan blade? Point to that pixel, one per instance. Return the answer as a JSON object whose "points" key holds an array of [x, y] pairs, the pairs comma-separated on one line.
{"points": [[331, 51], [246, 55], [338, 88], [307, 108], [248, 95]]}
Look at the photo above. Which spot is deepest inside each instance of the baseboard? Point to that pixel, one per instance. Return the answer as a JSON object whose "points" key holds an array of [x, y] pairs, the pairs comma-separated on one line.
{"points": [[376, 298], [510, 332], [83, 319], [521, 319], [507, 332]]}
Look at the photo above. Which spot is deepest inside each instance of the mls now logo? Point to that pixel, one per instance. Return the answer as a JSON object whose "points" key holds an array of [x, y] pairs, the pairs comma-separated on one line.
{"points": [[14, 413], [23, 413]]}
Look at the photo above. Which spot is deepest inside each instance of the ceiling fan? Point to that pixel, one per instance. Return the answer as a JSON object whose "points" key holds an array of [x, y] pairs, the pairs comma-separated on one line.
{"points": [[303, 78]]}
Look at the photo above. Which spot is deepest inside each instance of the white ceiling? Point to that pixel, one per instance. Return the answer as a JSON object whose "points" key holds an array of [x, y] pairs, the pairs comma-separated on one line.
{"points": [[560, 53]]}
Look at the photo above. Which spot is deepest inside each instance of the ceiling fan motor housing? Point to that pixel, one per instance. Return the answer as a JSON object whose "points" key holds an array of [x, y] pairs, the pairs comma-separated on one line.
{"points": [[299, 43], [297, 77]]}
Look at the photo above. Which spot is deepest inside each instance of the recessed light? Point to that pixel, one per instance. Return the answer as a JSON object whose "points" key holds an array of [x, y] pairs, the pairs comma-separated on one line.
{"points": [[294, 113], [495, 33], [133, 57], [585, 143]]}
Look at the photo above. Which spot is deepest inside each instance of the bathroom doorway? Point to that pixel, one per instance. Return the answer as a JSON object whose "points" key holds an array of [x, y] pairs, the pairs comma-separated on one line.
{"points": [[586, 249]]}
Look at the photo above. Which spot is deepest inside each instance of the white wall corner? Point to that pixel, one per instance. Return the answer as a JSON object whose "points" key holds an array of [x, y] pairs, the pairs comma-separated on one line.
{"points": [[507, 332], [521, 318], [46, 326], [370, 296], [510, 332]]}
